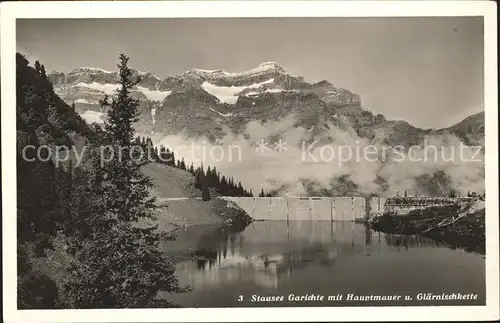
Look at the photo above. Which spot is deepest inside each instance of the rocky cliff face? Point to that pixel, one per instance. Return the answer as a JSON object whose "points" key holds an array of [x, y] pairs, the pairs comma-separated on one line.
{"points": [[470, 130], [209, 102], [269, 103], [189, 100]]}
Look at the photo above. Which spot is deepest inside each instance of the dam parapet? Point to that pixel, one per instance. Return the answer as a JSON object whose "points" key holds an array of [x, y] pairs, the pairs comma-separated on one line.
{"points": [[342, 208]]}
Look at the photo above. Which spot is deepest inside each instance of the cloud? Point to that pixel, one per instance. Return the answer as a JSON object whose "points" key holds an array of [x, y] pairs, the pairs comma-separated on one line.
{"points": [[334, 157]]}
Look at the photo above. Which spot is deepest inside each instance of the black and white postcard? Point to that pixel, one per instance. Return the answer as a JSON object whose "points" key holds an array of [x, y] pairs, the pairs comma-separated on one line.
{"points": [[249, 161]]}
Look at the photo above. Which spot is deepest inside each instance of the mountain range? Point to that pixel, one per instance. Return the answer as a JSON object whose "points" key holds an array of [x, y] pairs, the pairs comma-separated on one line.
{"points": [[216, 104], [203, 102]]}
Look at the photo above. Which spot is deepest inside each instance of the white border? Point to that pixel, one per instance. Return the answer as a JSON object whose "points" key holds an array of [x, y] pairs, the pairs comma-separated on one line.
{"points": [[148, 9]]}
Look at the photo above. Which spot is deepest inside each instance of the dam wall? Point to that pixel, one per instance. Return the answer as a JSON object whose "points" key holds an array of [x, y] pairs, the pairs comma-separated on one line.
{"points": [[310, 208]]}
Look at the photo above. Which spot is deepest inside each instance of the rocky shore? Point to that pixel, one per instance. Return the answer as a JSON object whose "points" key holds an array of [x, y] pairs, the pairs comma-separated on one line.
{"points": [[460, 225]]}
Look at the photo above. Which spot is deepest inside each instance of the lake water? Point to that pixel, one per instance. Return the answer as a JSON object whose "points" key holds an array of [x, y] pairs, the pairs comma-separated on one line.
{"points": [[279, 258]]}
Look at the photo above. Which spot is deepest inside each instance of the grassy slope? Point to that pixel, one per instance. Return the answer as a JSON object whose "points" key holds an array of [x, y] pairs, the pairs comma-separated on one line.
{"points": [[172, 182]]}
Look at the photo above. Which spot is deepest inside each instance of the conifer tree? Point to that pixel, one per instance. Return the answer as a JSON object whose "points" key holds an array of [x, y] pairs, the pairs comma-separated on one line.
{"points": [[120, 264], [38, 67], [241, 191], [208, 175], [172, 159], [42, 72], [205, 191], [183, 164], [164, 155], [155, 153], [198, 178]]}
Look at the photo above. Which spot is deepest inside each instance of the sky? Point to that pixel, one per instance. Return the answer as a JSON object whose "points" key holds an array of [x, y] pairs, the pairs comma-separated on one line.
{"points": [[427, 71]]}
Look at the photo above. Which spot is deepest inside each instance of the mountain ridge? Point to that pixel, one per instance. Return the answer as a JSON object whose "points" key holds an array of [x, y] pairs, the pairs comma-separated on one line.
{"points": [[232, 99], [269, 103]]}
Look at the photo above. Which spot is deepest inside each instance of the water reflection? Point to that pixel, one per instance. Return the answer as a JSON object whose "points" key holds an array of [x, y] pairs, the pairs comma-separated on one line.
{"points": [[315, 256], [269, 253], [411, 241]]}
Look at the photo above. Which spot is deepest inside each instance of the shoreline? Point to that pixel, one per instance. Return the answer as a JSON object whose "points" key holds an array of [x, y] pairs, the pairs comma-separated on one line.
{"points": [[460, 225]]}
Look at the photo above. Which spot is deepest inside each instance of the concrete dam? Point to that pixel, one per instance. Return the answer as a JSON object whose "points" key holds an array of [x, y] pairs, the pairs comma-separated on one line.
{"points": [[310, 208]]}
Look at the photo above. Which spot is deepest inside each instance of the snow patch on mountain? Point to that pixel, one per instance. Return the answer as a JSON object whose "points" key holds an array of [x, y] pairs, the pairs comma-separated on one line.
{"points": [[105, 88], [154, 95], [228, 94], [221, 114], [207, 71], [91, 116], [252, 93], [264, 67], [141, 73], [85, 101], [224, 78], [153, 115], [110, 89], [277, 90], [93, 69]]}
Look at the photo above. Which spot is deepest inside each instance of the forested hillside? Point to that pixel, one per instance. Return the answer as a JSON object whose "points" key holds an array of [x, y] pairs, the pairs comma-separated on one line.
{"points": [[83, 241], [90, 210], [43, 197]]}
